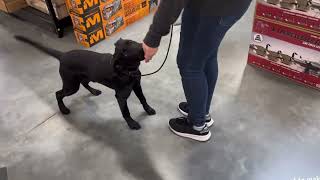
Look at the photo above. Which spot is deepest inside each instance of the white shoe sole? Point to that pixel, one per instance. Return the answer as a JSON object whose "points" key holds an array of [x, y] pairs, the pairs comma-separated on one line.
{"points": [[194, 137], [182, 112], [209, 124]]}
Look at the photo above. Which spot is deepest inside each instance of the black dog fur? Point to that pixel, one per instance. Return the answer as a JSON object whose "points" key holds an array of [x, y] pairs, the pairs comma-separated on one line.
{"points": [[119, 71]]}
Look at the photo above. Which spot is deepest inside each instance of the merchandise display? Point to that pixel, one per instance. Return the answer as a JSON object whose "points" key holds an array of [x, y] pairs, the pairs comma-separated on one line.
{"points": [[91, 17], [301, 13], [285, 49]]}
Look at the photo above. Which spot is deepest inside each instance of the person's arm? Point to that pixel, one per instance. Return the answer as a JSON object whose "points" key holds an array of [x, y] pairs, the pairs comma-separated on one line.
{"points": [[167, 13]]}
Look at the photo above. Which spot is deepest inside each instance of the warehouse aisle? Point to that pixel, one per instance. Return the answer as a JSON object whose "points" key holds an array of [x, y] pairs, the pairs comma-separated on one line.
{"points": [[266, 127]]}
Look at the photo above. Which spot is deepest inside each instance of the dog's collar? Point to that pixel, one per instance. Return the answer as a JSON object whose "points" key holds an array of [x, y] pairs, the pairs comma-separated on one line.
{"points": [[123, 71]]}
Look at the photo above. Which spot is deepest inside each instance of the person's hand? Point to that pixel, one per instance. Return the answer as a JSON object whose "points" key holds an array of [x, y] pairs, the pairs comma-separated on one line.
{"points": [[149, 52]]}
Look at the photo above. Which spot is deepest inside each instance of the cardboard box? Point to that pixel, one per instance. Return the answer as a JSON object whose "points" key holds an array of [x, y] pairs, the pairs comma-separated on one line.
{"points": [[289, 51], [82, 7], [136, 16], [134, 10], [91, 17], [10, 6], [301, 13], [110, 8], [87, 22], [91, 38], [114, 25]]}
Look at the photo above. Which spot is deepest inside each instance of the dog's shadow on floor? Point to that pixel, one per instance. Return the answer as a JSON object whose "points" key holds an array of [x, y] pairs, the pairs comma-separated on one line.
{"points": [[128, 144]]}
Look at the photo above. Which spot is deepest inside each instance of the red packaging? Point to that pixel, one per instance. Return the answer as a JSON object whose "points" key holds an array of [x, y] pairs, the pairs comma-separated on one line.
{"points": [[301, 13], [289, 51]]}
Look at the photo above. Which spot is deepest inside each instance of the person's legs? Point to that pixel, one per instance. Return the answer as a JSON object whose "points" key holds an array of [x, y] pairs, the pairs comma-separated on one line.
{"points": [[211, 71], [192, 68], [211, 68], [200, 71], [211, 75], [197, 62], [202, 65], [192, 74]]}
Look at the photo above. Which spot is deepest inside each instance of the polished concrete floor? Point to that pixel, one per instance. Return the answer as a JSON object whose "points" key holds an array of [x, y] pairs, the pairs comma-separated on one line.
{"points": [[267, 127]]}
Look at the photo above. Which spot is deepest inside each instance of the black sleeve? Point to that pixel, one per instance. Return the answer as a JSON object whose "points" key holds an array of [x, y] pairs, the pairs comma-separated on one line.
{"points": [[167, 13]]}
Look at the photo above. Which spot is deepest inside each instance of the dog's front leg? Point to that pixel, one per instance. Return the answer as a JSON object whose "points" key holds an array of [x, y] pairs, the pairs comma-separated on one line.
{"points": [[139, 93], [122, 97]]}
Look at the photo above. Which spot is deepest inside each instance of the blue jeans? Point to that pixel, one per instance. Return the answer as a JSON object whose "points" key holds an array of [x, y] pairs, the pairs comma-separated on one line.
{"points": [[200, 39]]}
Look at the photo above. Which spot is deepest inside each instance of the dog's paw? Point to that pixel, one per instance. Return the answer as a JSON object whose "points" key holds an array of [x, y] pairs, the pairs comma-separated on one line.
{"points": [[150, 111], [134, 125], [96, 92], [65, 111]]}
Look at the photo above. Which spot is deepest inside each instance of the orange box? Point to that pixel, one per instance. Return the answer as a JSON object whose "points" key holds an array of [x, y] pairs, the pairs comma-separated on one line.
{"points": [[82, 6], [134, 10], [90, 39], [133, 6], [88, 22], [136, 16], [95, 21], [114, 25], [110, 8]]}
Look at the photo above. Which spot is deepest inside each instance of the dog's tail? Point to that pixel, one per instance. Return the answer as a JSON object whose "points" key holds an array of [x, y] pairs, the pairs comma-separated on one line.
{"points": [[52, 52]]}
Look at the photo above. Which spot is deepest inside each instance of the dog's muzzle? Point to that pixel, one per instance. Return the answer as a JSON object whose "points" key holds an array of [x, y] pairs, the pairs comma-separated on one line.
{"points": [[142, 55]]}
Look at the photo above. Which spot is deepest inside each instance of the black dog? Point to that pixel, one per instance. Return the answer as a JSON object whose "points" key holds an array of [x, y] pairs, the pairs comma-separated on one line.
{"points": [[119, 71]]}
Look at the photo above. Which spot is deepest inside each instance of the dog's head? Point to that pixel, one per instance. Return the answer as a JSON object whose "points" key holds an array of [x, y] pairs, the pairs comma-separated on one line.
{"points": [[128, 53]]}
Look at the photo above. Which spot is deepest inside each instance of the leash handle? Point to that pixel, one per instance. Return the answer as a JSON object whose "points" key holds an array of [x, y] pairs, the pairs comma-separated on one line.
{"points": [[166, 58]]}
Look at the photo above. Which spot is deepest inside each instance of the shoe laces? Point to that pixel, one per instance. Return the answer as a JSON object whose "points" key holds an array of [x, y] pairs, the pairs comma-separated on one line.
{"points": [[205, 129]]}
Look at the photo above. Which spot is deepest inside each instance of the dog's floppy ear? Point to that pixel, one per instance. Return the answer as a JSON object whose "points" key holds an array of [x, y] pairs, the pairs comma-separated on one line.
{"points": [[118, 42]]}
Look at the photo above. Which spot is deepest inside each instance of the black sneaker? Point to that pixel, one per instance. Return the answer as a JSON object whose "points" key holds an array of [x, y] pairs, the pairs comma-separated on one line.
{"points": [[184, 110], [181, 127]]}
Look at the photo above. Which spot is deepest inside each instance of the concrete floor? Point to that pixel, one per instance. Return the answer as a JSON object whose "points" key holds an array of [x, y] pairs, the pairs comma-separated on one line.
{"points": [[266, 127]]}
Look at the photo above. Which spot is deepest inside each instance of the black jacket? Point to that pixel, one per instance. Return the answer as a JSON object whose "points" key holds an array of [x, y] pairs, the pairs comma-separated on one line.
{"points": [[169, 11]]}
